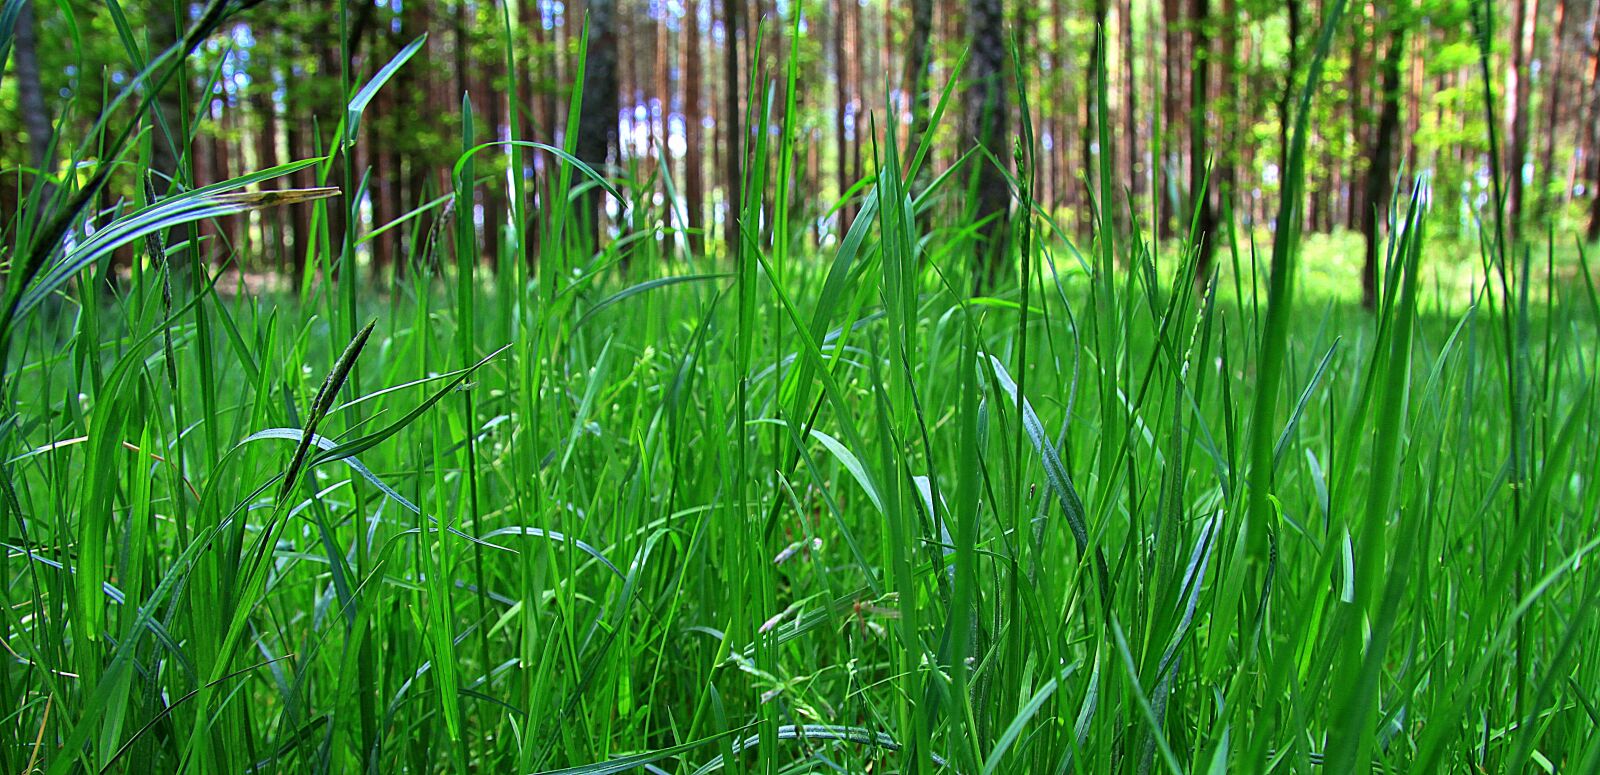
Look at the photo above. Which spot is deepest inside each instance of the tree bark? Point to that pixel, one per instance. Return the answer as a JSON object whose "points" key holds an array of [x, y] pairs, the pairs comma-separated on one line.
{"points": [[1130, 113], [1170, 212], [663, 132], [30, 91], [734, 153], [694, 184], [1380, 164], [1290, 77], [597, 122], [1591, 158], [1525, 29], [1200, 194], [1556, 64], [1098, 58], [916, 80], [986, 126], [843, 96]]}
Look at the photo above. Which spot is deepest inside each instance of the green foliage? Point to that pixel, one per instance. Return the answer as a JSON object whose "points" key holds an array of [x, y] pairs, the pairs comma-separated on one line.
{"points": [[812, 510]]}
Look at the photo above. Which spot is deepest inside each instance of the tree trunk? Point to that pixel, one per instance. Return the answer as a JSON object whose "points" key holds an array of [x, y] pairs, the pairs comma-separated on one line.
{"points": [[597, 123], [1092, 114], [1525, 29], [1130, 113], [986, 126], [272, 230], [1200, 195], [1225, 178], [734, 153], [1380, 164], [1351, 206], [30, 92], [495, 201], [1556, 64], [841, 39], [1170, 212], [663, 132], [1591, 158], [1290, 76], [694, 183], [916, 80]]}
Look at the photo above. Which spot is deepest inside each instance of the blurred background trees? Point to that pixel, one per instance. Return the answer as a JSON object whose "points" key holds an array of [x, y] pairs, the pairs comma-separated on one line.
{"points": [[1197, 91]]}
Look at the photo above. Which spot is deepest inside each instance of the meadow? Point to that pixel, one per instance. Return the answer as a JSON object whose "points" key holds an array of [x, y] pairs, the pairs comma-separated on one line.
{"points": [[861, 508]]}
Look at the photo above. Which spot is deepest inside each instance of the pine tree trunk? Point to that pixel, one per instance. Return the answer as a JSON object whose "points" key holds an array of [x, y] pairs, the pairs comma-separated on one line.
{"points": [[841, 39], [1290, 78], [597, 123], [1591, 139], [734, 153], [1351, 206], [1380, 166], [495, 203], [986, 125], [1525, 29], [1200, 194], [1170, 211], [1549, 200], [30, 92], [1091, 124], [916, 79], [694, 184], [1130, 112], [663, 131]]}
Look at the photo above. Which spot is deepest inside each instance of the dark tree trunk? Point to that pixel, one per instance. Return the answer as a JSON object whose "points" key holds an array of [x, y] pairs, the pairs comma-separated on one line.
{"points": [[1591, 120], [841, 39], [597, 124], [663, 131], [1200, 194], [1170, 209], [1556, 64], [1091, 123], [30, 92], [1380, 169], [734, 153], [166, 150], [1130, 114], [694, 182], [1351, 206], [495, 202], [1591, 158], [1290, 77], [1525, 29], [986, 125], [916, 80]]}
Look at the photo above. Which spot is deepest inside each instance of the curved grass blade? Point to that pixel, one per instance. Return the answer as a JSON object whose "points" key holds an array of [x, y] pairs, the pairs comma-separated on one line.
{"points": [[358, 104]]}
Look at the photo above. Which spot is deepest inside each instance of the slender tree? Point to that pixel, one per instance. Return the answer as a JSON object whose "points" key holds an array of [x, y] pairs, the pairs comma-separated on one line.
{"points": [[1170, 213], [843, 108], [1591, 122], [1518, 92], [1098, 57], [986, 117], [1201, 204], [30, 92], [734, 155], [663, 130], [597, 123], [694, 182], [916, 79], [1556, 62], [1381, 157], [1130, 112], [1291, 75]]}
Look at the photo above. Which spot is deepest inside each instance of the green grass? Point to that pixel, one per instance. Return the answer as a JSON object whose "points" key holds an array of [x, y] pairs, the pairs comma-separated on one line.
{"points": [[801, 511]]}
